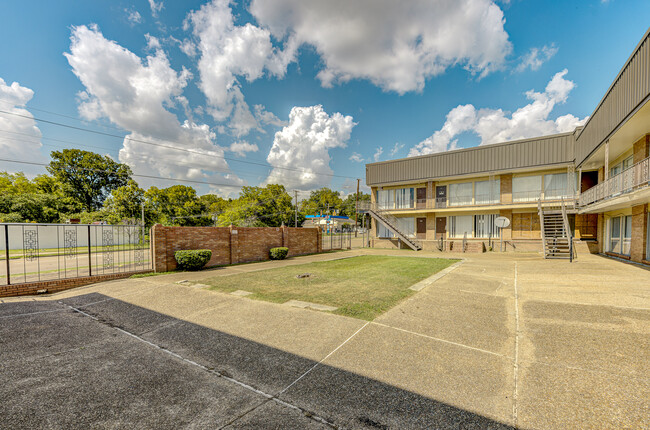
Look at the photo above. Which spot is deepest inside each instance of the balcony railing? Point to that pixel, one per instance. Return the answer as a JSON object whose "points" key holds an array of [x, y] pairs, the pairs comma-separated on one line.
{"points": [[629, 180]]}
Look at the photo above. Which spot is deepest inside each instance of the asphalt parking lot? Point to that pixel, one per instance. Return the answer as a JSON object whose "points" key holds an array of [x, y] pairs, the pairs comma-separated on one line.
{"points": [[511, 342]]}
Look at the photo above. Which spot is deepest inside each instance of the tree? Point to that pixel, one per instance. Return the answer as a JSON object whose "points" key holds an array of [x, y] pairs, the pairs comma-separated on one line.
{"points": [[322, 201], [126, 201], [87, 176], [269, 206], [177, 205], [348, 208]]}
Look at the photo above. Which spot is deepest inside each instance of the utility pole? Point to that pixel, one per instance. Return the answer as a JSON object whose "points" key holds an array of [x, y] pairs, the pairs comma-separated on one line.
{"points": [[296, 194], [356, 210]]}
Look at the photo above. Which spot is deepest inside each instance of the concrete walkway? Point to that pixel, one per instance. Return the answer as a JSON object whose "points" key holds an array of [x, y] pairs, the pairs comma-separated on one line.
{"points": [[502, 340]]}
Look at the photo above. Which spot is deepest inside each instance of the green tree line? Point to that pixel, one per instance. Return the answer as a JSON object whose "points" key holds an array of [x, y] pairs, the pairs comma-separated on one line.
{"points": [[90, 187]]}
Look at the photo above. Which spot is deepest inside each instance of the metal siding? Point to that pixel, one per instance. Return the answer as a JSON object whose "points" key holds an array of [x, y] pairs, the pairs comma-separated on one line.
{"points": [[480, 160], [630, 88]]}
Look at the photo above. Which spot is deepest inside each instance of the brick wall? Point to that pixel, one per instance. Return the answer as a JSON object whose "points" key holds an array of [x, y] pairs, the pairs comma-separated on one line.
{"points": [[639, 232], [230, 245], [506, 188], [641, 148], [54, 286]]}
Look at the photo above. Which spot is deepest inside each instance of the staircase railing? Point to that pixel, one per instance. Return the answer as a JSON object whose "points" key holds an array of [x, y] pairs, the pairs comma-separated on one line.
{"points": [[391, 221], [541, 223], [567, 231]]}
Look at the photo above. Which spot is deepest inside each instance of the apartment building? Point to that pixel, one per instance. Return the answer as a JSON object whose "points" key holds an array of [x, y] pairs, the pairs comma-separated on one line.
{"points": [[587, 189]]}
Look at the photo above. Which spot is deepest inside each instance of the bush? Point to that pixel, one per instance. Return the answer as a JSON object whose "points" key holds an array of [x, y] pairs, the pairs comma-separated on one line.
{"points": [[279, 253], [192, 259]]}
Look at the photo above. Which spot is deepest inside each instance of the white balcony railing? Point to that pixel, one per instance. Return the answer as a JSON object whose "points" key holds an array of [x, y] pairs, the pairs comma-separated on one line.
{"points": [[629, 180]]}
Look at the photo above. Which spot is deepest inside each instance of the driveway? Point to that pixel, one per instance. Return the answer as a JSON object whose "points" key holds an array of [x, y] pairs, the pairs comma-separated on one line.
{"points": [[502, 341]]}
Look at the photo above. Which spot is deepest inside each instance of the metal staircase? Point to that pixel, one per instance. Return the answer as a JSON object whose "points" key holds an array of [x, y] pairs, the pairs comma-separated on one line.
{"points": [[390, 222], [557, 240]]}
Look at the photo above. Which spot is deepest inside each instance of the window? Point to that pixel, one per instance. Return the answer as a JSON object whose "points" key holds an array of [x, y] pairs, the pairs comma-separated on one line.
{"points": [[620, 234], [404, 198], [406, 225], [526, 188], [386, 199], [383, 232], [459, 225], [487, 192], [622, 166], [484, 226], [460, 194], [556, 185]]}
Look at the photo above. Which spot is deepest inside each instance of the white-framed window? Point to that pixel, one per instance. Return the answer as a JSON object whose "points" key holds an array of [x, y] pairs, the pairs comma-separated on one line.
{"points": [[484, 226], [620, 234], [622, 166], [487, 192], [386, 199], [404, 198], [406, 225], [460, 194], [526, 188], [557, 185], [383, 232], [459, 225]]}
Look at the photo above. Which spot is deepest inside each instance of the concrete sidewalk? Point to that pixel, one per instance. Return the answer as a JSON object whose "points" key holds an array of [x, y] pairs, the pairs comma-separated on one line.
{"points": [[503, 340]]}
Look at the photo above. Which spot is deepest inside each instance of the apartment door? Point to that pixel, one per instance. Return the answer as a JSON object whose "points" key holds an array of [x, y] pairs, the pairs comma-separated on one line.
{"points": [[441, 227], [441, 196], [421, 228], [421, 198]]}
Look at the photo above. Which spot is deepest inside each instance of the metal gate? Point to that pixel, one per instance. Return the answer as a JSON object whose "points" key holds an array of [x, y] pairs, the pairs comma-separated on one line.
{"points": [[44, 252]]}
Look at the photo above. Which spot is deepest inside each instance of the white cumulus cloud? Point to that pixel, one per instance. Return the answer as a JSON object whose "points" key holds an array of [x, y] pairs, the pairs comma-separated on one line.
{"points": [[395, 45], [534, 59], [20, 138], [156, 7], [378, 153], [304, 144], [132, 93], [228, 52], [496, 125], [241, 148], [133, 16], [356, 157]]}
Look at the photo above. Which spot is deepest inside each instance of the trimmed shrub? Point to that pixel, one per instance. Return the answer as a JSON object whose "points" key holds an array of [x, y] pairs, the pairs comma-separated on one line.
{"points": [[279, 253], [192, 259]]}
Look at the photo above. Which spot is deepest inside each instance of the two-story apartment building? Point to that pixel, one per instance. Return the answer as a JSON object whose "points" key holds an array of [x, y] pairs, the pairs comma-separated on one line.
{"points": [[593, 184]]}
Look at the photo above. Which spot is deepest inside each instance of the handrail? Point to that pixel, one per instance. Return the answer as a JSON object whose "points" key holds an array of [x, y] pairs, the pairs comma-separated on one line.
{"points": [[567, 230], [388, 218], [635, 176], [541, 222]]}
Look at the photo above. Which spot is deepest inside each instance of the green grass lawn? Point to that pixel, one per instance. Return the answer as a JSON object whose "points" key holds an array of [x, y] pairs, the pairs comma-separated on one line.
{"points": [[361, 287]]}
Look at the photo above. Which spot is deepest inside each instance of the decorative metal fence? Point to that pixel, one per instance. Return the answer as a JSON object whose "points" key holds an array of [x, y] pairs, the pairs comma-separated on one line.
{"points": [[44, 252], [333, 239]]}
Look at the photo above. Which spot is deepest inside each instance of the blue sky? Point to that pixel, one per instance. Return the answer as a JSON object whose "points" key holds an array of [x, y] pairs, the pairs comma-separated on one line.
{"points": [[302, 93]]}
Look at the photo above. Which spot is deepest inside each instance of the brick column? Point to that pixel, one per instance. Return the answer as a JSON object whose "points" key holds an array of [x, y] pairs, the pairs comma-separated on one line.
{"points": [[506, 189], [641, 148], [234, 245], [431, 226], [158, 245], [639, 232], [431, 195], [600, 233]]}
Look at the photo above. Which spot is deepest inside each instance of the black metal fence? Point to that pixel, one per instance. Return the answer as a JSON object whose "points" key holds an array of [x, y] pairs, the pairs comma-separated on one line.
{"points": [[333, 239], [44, 252]]}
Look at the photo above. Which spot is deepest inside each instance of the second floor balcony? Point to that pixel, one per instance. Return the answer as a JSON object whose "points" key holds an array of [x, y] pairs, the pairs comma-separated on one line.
{"points": [[625, 186]]}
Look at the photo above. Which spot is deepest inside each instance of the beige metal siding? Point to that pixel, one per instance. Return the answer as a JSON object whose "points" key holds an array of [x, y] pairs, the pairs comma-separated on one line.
{"points": [[631, 87], [540, 151]]}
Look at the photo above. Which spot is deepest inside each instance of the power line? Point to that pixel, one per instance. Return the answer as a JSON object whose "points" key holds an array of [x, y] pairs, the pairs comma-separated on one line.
{"points": [[171, 147], [134, 174]]}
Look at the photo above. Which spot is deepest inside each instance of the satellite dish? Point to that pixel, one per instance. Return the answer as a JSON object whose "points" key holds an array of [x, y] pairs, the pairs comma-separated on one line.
{"points": [[502, 222]]}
